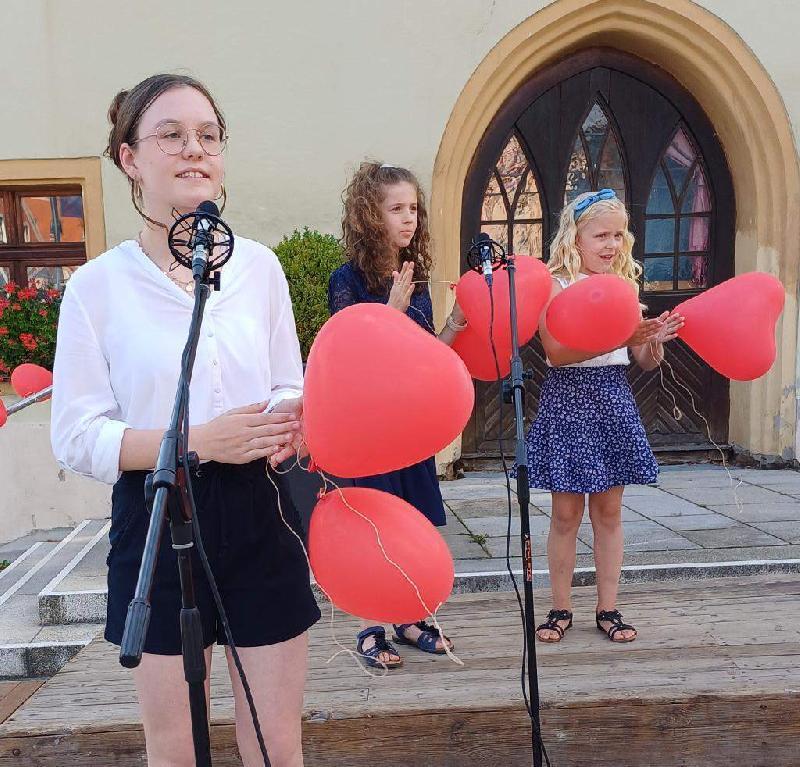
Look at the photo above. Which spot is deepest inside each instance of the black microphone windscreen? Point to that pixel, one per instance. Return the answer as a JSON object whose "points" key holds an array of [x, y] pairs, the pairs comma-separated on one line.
{"points": [[482, 237], [208, 207]]}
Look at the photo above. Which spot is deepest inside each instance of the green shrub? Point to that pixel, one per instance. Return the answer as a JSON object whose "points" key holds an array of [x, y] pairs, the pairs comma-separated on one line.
{"points": [[308, 258]]}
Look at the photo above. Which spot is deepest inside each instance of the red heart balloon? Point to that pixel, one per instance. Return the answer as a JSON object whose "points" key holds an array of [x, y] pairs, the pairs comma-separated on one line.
{"points": [[349, 565], [476, 351], [29, 379], [532, 286], [381, 393], [595, 314], [732, 325]]}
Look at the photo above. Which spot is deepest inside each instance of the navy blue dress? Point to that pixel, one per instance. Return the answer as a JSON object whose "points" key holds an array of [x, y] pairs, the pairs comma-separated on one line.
{"points": [[415, 484]]}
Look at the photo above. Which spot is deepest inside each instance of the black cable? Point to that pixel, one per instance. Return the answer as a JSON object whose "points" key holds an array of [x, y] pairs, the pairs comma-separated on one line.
{"points": [[213, 584], [524, 668]]}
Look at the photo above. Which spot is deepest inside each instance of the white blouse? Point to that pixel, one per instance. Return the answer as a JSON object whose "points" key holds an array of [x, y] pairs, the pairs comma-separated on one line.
{"points": [[121, 333], [617, 357]]}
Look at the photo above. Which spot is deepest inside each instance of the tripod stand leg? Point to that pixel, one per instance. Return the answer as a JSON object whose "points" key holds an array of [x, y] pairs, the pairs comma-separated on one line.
{"points": [[194, 667]]}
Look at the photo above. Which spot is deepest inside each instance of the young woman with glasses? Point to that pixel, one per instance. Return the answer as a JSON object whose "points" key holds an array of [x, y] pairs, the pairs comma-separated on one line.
{"points": [[124, 322]]}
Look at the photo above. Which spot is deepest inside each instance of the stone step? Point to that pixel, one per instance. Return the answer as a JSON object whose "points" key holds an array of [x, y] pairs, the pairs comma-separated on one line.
{"points": [[77, 593]]}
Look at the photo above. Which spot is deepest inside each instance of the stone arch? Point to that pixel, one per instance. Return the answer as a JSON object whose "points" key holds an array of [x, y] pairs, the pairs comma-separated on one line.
{"points": [[712, 62]]}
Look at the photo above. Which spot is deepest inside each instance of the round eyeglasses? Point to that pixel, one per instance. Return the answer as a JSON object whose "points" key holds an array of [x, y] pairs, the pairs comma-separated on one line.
{"points": [[172, 138]]}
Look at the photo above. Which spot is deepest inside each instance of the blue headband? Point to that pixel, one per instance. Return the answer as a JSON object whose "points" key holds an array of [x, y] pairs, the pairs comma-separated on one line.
{"points": [[603, 194]]}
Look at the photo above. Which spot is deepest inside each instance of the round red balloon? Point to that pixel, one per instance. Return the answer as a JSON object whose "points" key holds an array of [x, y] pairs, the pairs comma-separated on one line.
{"points": [[595, 314], [3, 414], [476, 351], [29, 379], [532, 287], [381, 393], [732, 325], [349, 565]]}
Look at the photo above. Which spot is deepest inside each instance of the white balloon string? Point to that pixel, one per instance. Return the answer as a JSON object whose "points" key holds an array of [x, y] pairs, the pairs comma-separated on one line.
{"points": [[678, 414], [343, 649], [399, 568]]}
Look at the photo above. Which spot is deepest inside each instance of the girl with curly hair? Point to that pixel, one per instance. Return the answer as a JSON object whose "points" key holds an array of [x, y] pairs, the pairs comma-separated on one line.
{"points": [[386, 240]]}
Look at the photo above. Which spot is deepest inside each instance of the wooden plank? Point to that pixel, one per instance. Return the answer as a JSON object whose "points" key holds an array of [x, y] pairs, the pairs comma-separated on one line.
{"points": [[14, 694], [697, 733], [712, 670]]}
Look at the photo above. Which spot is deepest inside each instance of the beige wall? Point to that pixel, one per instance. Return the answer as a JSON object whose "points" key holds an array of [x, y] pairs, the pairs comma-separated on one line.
{"points": [[309, 89]]}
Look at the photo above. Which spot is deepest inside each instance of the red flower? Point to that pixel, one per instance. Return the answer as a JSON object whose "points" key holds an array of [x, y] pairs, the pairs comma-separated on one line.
{"points": [[42, 313], [10, 287], [16, 307], [53, 293], [3, 330], [28, 341], [27, 293]]}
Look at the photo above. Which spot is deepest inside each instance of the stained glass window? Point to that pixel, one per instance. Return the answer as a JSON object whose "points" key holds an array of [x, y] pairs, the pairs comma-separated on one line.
{"points": [[677, 220], [511, 213], [596, 161]]}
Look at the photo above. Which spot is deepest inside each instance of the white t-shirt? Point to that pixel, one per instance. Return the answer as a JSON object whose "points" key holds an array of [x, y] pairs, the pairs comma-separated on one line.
{"points": [[121, 333], [617, 357]]}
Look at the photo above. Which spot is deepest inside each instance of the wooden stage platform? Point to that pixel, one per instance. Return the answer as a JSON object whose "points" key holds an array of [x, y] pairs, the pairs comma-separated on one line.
{"points": [[714, 679]]}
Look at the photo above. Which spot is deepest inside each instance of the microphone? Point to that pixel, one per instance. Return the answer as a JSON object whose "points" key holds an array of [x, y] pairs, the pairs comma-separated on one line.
{"points": [[202, 241], [484, 243], [484, 254]]}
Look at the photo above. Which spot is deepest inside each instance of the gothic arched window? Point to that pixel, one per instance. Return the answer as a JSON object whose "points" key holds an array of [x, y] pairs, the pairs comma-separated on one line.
{"points": [[596, 161], [677, 220], [511, 213]]}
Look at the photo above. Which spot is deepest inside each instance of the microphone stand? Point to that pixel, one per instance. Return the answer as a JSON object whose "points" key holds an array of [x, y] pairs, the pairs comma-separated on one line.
{"points": [[517, 392], [167, 492], [482, 256], [31, 399], [168, 488]]}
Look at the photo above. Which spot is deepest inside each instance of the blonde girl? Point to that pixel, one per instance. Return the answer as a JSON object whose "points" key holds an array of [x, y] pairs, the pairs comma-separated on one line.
{"points": [[588, 438]]}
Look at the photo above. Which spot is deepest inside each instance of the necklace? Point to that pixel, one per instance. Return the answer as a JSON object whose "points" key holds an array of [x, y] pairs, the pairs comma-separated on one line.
{"points": [[187, 287]]}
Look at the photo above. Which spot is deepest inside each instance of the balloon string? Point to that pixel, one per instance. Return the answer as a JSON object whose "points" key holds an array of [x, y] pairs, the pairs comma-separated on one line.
{"points": [[343, 649], [399, 568], [678, 415], [424, 318], [432, 614]]}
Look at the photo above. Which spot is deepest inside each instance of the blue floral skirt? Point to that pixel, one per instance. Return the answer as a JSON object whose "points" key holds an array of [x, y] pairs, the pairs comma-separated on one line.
{"points": [[588, 436]]}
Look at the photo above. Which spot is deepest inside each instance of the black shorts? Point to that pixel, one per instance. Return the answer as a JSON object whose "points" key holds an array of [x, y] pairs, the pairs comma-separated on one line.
{"points": [[259, 566]]}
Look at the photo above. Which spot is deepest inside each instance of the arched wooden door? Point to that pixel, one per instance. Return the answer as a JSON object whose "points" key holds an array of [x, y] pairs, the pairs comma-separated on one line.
{"points": [[599, 119]]}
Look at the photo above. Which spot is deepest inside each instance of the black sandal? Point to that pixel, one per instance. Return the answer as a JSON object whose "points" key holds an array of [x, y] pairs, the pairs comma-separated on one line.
{"points": [[372, 656], [615, 618], [552, 624]]}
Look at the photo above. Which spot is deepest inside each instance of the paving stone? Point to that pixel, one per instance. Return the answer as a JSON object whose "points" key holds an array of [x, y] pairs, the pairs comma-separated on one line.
{"points": [[454, 491], [744, 493], [768, 477], [494, 527], [644, 536], [791, 489], [464, 547], [497, 546], [786, 531], [487, 508], [751, 512], [662, 505], [732, 537], [645, 490], [697, 522]]}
